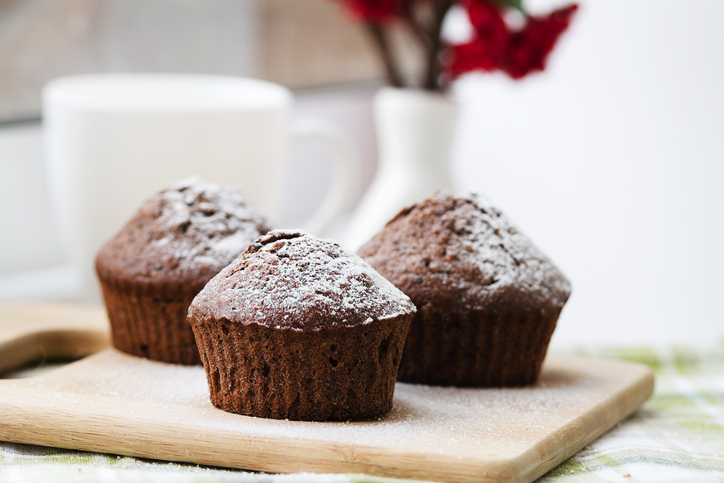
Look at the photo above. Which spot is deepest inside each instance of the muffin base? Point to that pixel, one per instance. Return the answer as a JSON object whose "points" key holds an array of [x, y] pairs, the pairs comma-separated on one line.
{"points": [[335, 374], [151, 324], [476, 348]]}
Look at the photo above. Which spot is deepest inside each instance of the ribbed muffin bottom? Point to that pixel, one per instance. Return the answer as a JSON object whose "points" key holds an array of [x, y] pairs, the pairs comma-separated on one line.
{"points": [[334, 374], [151, 324], [475, 348]]}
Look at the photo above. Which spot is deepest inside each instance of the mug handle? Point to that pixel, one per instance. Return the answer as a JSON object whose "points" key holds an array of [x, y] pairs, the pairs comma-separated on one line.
{"points": [[341, 188]]}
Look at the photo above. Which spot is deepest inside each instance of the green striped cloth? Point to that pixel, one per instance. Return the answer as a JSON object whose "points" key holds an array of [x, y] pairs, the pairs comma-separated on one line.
{"points": [[678, 435]]}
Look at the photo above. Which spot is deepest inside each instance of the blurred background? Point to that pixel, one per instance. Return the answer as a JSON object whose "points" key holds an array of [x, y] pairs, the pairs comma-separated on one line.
{"points": [[612, 160]]}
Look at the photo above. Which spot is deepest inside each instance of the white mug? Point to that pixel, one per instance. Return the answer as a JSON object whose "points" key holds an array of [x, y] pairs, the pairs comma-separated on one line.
{"points": [[113, 140]]}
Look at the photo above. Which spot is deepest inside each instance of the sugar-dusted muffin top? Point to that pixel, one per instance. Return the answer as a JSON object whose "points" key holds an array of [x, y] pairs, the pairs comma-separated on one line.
{"points": [[457, 252], [185, 234], [294, 280]]}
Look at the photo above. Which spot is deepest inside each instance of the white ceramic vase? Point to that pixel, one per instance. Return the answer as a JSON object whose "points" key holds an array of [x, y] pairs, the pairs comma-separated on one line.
{"points": [[415, 130]]}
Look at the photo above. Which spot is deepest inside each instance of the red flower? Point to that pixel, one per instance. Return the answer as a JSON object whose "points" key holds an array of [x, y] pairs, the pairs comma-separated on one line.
{"points": [[528, 49], [469, 57], [485, 17], [374, 10], [491, 30], [488, 46], [496, 47]]}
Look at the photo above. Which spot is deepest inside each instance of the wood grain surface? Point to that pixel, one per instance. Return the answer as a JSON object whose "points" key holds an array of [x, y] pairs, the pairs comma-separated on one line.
{"points": [[115, 403], [35, 332]]}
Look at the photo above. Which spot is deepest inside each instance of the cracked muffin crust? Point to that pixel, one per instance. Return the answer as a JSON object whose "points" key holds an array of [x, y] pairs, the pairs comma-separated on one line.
{"points": [[152, 269], [487, 299], [299, 328]]}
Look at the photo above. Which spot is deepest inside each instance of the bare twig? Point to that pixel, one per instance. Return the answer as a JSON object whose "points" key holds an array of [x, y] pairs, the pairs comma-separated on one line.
{"points": [[418, 29], [384, 47], [432, 77]]}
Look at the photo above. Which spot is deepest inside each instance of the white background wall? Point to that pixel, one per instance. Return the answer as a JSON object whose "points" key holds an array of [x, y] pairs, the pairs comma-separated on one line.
{"points": [[611, 161]]}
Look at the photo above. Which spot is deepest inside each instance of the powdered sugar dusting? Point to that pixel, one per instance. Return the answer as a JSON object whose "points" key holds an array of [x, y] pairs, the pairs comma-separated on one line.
{"points": [[467, 246], [492, 243], [191, 227], [227, 221], [291, 279]]}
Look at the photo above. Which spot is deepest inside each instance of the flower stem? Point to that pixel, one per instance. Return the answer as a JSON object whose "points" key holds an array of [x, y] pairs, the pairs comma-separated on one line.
{"points": [[417, 28], [393, 76], [432, 77]]}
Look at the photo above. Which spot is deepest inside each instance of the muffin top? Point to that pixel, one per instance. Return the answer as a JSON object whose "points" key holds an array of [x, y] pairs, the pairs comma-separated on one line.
{"points": [[183, 235], [297, 281], [449, 251]]}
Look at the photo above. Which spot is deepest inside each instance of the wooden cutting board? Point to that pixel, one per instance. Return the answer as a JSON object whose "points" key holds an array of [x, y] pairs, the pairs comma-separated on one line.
{"points": [[115, 403]]}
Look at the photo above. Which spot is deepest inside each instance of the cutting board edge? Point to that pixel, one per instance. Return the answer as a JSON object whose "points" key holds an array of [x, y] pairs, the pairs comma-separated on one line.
{"points": [[37, 331], [630, 399], [310, 457], [69, 344]]}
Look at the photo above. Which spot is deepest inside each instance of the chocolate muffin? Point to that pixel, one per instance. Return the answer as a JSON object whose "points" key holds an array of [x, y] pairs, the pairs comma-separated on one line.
{"points": [[152, 269], [299, 328], [487, 299]]}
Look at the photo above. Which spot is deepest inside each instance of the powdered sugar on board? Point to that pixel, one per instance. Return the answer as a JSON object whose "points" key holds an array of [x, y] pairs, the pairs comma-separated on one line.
{"points": [[434, 420], [294, 280]]}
